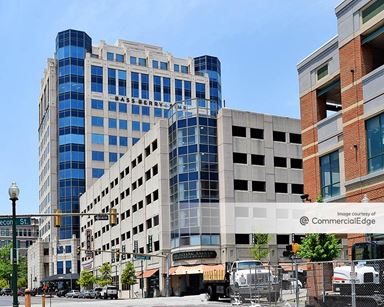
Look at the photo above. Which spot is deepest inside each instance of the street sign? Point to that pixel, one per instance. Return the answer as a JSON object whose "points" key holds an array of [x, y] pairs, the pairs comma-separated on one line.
{"points": [[101, 217], [20, 221], [142, 257], [89, 253]]}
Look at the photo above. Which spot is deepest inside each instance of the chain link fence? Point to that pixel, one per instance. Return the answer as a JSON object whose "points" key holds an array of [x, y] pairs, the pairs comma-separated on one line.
{"points": [[338, 283]]}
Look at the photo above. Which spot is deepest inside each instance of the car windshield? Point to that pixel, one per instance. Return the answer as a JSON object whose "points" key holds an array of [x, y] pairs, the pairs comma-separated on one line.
{"points": [[244, 265]]}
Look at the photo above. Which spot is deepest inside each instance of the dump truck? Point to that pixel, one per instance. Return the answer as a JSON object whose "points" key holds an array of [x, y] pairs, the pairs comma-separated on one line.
{"points": [[242, 280]]}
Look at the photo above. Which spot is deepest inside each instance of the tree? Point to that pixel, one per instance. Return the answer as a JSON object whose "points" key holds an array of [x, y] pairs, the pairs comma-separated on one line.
{"points": [[86, 279], [260, 247], [22, 272], [5, 262], [320, 247], [106, 275], [4, 283], [128, 276]]}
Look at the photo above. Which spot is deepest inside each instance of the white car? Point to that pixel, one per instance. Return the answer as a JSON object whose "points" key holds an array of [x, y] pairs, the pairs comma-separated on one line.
{"points": [[73, 293], [109, 292]]}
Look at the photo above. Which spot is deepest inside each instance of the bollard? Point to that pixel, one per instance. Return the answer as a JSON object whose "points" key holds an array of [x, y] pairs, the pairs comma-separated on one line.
{"points": [[43, 300], [27, 294]]}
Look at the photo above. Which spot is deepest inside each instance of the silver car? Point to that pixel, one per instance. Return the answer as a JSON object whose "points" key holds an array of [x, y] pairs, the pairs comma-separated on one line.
{"points": [[73, 294]]}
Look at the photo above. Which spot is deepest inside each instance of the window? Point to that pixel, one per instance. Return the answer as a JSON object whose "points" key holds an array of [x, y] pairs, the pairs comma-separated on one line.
{"points": [[135, 125], [112, 106], [372, 10], [375, 144], [166, 89], [164, 65], [257, 160], [281, 187], [257, 133], [279, 136], [155, 64], [97, 79], [111, 81], [148, 175], [97, 155], [258, 186], [123, 141], [97, 138], [295, 138], [147, 150], [239, 158], [282, 239], [122, 74], [97, 121], [135, 84], [157, 87], [297, 188], [146, 127], [155, 195], [184, 69], [322, 72], [122, 108], [120, 58], [280, 162], [144, 86], [296, 163], [112, 123], [176, 67], [112, 157], [149, 223], [110, 56], [239, 131], [132, 60], [154, 145], [330, 175], [142, 62], [148, 199], [139, 158], [134, 230], [240, 185], [158, 112], [135, 140], [156, 220], [145, 110], [112, 140], [123, 124], [135, 109], [241, 238], [154, 170], [97, 104], [97, 172]]}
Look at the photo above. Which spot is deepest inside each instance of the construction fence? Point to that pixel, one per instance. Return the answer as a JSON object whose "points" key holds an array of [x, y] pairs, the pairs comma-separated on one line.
{"points": [[338, 283]]}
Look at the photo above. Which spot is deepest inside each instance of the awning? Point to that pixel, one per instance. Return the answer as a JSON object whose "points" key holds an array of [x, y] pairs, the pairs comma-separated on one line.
{"points": [[61, 277], [194, 269], [146, 274]]}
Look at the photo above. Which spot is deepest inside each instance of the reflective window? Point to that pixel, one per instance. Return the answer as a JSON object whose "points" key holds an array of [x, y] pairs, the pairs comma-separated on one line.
{"points": [[97, 155], [135, 125], [97, 104], [110, 56], [157, 88], [135, 84], [112, 157], [184, 69], [133, 60], [120, 58], [155, 64], [123, 124], [375, 142], [97, 121], [145, 110], [178, 90], [112, 123], [330, 175], [122, 74], [164, 65], [144, 86], [112, 106], [135, 109], [97, 138], [158, 112], [146, 127], [167, 89], [112, 139], [142, 62], [111, 81], [97, 79], [122, 107], [135, 140], [187, 91], [123, 140], [176, 67], [97, 172]]}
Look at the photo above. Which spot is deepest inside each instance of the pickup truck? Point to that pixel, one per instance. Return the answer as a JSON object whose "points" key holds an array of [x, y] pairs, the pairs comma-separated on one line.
{"points": [[109, 292]]}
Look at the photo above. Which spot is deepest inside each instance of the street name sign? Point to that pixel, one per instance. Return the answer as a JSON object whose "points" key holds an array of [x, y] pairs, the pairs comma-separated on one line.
{"points": [[101, 217], [20, 221]]}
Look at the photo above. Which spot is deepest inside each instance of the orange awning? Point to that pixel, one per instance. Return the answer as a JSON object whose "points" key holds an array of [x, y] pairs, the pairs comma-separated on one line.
{"points": [[149, 273], [194, 269]]}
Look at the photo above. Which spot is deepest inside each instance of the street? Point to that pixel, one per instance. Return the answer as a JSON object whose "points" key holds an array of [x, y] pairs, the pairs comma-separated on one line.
{"points": [[153, 302]]}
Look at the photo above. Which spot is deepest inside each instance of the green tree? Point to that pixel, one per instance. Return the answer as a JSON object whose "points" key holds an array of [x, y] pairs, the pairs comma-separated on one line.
{"points": [[320, 247], [4, 283], [106, 274], [128, 276], [260, 248], [86, 279], [22, 272], [5, 262]]}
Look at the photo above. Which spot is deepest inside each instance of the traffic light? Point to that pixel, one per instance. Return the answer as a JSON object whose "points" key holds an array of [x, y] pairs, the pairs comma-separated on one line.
{"points": [[117, 253], [295, 248], [57, 218], [113, 217], [78, 250], [288, 251]]}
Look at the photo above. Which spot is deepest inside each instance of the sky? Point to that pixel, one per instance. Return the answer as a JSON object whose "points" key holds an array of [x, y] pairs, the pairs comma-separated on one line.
{"points": [[259, 43]]}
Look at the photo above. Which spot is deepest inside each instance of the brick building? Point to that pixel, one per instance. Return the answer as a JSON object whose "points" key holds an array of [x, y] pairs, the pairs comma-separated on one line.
{"points": [[342, 109]]}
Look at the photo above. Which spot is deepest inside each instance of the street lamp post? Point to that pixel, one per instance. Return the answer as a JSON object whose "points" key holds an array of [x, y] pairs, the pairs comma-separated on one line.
{"points": [[13, 196]]}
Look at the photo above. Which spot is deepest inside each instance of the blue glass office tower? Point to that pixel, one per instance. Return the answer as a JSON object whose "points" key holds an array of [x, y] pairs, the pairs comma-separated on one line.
{"points": [[212, 66], [71, 47]]}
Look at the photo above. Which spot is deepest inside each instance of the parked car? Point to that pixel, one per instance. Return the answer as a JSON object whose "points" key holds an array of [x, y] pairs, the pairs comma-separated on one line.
{"points": [[109, 292], [97, 292], [62, 292], [87, 294], [92, 294], [6, 291], [73, 293]]}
